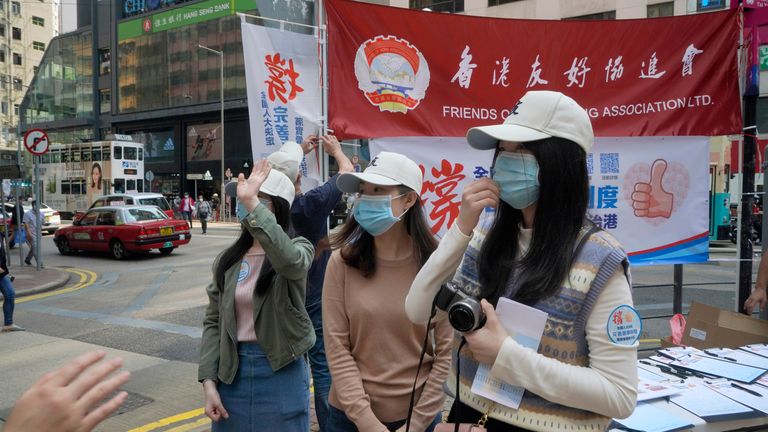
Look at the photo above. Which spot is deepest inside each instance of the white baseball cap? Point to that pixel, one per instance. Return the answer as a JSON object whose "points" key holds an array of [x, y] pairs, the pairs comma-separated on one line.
{"points": [[276, 184], [287, 159], [538, 115], [386, 169]]}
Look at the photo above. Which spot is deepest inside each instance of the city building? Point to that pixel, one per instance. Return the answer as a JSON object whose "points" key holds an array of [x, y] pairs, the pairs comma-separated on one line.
{"points": [[26, 29], [134, 67]]}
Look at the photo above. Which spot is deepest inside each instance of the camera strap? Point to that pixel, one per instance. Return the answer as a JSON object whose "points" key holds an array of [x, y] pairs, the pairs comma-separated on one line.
{"points": [[418, 369]]}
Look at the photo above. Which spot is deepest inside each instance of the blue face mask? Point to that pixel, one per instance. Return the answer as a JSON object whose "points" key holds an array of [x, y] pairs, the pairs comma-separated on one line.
{"points": [[374, 213], [518, 177]]}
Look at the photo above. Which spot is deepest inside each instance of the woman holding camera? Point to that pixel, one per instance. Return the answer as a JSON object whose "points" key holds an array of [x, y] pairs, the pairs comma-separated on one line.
{"points": [[256, 330], [372, 349], [540, 250]]}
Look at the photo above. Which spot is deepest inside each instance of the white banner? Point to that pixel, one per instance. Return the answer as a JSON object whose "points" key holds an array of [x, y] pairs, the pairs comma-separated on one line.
{"points": [[284, 100], [650, 193]]}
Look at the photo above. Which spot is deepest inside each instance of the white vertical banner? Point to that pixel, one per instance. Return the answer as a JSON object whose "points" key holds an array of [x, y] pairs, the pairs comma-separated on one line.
{"points": [[651, 193], [284, 99]]}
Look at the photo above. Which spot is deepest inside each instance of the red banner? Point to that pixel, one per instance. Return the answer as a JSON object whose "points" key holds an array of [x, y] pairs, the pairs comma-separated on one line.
{"points": [[399, 72]]}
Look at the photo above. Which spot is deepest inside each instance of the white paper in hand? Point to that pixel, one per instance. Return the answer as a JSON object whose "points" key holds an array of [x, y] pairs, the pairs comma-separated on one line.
{"points": [[525, 325]]}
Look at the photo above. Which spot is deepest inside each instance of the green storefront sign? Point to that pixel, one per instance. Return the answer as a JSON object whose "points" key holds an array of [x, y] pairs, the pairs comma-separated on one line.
{"points": [[182, 16], [763, 57]]}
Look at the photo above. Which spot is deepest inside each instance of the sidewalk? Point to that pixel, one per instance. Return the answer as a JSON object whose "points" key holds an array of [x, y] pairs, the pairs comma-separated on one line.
{"points": [[30, 281]]}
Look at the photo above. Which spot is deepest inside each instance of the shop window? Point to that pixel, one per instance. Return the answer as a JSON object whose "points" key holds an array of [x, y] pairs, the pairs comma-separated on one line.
{"points": [[105, 99], [661, 10], [105, 61]]}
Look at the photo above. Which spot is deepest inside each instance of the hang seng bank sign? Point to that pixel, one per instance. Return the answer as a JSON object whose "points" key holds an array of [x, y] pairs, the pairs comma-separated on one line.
{"points": [[176, 17]]}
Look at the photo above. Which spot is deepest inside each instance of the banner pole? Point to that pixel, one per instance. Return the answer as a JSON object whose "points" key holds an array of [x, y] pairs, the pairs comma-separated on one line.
{"points": [[323, 34]]}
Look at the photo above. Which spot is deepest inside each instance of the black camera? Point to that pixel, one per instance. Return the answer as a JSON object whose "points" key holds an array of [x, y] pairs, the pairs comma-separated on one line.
{"points": [[464, 311]]}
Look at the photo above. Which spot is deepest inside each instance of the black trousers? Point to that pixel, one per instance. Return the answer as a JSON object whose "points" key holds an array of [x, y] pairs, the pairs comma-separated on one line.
{"points": [[465, 414]]}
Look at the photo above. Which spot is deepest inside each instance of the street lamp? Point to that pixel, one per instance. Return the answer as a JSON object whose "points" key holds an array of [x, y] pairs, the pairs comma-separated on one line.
{"points": [[221, 94]]}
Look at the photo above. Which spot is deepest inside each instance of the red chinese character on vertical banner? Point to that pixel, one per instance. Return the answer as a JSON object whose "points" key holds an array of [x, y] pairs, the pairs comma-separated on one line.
{"points": [[445, 205], [282, 78]]}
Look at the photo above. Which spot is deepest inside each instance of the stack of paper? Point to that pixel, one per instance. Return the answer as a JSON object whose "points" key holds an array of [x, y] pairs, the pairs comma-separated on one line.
{"points": [[710, 405], [719, 368], [759, 349], [649, 418]]}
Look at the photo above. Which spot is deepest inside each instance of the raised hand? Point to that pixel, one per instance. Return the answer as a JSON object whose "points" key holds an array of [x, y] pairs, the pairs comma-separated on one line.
{"points": [[476, 197], [69, 399], [248, 189]]}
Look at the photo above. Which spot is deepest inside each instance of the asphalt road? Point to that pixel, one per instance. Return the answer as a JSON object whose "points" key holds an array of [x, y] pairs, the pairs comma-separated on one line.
{"points": [[150, 309]]}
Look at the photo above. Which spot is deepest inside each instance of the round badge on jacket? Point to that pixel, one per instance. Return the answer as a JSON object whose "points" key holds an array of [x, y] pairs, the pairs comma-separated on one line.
{"points": [[624, 325]]}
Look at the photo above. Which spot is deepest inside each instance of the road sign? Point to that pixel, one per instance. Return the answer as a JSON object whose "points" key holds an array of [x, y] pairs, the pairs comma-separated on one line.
{"points": [[36, 142], [10, 171], [149, 175], [194, 176]]}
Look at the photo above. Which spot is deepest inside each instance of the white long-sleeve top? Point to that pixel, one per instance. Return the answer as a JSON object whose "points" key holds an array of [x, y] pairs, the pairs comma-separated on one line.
{"points": [[608, 386]]}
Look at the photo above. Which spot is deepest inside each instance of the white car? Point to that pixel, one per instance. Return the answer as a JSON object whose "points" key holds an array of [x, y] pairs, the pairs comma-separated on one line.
{"points": [[52, 220]]}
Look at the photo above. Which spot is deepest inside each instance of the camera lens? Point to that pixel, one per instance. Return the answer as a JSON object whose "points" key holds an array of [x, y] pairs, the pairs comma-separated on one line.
{"points": [[462, 317]]}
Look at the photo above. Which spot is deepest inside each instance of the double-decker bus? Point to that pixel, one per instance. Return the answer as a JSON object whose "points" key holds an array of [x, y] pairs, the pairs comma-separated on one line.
{"points": [[74, 175]]}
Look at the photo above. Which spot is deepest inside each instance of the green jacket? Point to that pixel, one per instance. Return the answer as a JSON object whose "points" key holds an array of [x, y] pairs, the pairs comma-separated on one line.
{"points": [[282, 325]]}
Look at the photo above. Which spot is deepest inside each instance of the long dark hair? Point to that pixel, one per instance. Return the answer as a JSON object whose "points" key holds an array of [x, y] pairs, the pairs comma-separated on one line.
{"points": [[560, 213], [359, 251], [235, 253]]}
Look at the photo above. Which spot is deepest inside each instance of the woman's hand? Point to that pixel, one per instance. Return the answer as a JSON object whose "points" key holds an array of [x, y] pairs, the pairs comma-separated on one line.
{"points": [[476, 197], [248, 189], [214, 409], [485, 342]]}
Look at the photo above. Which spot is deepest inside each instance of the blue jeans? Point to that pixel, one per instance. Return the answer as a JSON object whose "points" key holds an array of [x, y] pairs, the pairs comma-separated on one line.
{"points": [[9, 300], [262, 400], [321, 376], [338, 422]]}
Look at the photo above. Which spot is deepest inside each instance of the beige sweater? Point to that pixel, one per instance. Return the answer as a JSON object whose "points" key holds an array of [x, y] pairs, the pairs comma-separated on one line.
{"points": [[373, 349]]}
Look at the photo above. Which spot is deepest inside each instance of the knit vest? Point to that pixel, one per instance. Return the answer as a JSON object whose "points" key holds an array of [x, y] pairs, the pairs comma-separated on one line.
{"points": [[564, 336]]}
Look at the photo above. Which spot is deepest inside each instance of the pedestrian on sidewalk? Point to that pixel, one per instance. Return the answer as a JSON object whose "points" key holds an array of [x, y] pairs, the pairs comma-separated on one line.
{"points": [[309, 216], [186, 206], [32, 219], [9, 295], [203, 211], [256, 331], [215, 204], [373, 349]]}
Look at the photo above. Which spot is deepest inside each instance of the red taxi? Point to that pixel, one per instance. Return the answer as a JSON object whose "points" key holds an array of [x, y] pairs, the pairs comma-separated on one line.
{"points": [[121, 230]]}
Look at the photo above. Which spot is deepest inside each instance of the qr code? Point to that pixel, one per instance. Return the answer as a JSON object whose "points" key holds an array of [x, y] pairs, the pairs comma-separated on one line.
{"points": [[609, 163]]}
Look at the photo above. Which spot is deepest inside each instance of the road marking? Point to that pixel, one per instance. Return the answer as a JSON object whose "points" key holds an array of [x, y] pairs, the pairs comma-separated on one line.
{"points": [[193, 332], [190, 426], [169, 420], [87, 278]]}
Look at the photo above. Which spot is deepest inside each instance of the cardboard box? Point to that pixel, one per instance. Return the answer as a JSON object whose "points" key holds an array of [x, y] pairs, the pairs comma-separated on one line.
{"points": [[709, 327]]}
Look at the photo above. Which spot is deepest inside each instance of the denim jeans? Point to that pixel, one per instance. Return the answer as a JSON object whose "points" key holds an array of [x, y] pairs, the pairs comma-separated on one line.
{"points": [[338, 422], [262, 400], [187, 216], [9, 300], [321, 376]]}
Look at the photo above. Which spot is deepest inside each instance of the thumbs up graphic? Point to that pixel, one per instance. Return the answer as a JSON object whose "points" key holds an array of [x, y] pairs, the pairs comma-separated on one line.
{"points": [[650, 199]]}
